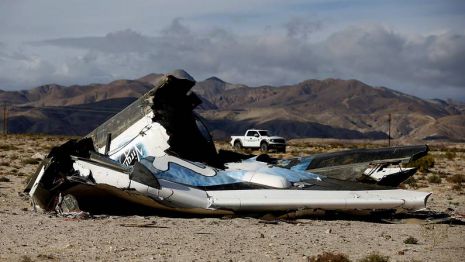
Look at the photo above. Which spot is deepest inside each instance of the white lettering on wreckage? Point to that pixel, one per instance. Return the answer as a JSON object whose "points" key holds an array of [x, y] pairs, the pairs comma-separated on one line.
{"points": [[132, 155]]}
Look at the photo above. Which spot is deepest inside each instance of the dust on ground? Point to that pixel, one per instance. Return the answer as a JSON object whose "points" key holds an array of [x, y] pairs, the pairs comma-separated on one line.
{"points": [[30, 236]]}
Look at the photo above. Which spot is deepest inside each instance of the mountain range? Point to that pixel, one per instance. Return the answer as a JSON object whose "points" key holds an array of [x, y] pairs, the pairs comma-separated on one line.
{"points": [[330, 108]]}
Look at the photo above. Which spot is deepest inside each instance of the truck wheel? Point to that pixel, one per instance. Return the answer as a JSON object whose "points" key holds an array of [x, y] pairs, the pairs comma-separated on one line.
{"points": [[237, 145], [282, 150], [264, 147]]}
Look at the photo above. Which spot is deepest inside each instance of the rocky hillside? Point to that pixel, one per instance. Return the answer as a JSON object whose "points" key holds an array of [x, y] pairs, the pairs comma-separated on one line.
{"points": [[315, 108], [328, 108]]}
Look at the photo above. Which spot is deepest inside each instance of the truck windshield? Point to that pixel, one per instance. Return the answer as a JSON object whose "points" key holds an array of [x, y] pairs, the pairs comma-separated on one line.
{"points": [[263, 133]]}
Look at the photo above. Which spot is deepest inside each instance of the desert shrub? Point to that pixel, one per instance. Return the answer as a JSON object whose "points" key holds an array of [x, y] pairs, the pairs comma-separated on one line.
{"points": [[423, 164], [30, 161], [47, 147], [46, 257], [434, 179], [329, 257], [375, 257], [26, 259], [457, 150], [456, 179], [450, 155], [411, 181], [335, 145], [4, 179], [8, 147], [442, 174], [411, 240], [4, 163]]}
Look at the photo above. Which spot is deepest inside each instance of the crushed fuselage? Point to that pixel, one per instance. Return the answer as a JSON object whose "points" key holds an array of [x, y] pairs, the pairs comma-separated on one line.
{"points": [[158, 154]]}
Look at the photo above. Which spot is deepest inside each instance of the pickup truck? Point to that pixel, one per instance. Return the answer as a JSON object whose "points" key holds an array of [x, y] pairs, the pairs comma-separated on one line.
{"points": [[255, 138]]}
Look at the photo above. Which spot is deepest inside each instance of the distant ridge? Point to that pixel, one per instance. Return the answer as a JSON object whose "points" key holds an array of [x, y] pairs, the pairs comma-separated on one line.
{"points": [[330, 108]]}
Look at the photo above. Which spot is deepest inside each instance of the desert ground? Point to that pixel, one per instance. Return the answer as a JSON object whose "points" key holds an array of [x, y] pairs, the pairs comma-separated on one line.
{"points": [[33, 236]]}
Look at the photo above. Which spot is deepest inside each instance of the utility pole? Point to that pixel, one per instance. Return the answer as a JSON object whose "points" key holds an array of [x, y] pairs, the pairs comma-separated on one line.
{"points": [[5, 119], [389, 131]]}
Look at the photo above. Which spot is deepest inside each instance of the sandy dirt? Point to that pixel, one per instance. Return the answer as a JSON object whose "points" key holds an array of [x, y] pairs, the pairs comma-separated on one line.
{"points": [[30, 236]]}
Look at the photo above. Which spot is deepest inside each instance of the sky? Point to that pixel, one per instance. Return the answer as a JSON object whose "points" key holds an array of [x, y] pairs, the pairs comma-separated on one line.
{"points": [[416, 47]]}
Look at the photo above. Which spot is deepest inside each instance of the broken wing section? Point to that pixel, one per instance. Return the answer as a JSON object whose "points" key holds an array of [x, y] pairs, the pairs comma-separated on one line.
{"points": [[281, 200], [161, 120], [382, 166]]}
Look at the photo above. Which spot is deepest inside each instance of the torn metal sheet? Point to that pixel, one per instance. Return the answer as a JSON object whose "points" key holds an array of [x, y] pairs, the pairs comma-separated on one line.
{"points": [[158, 155], [382, 166]]}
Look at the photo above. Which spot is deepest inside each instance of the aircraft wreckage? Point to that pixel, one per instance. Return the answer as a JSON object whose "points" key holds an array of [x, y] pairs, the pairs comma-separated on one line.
{"points": [[157, 154]]}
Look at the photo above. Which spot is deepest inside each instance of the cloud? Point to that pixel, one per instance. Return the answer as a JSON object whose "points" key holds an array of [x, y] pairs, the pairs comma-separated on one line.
{"points": [[377, 54], [445, 58], [299, 27], [114, 42], [18, 70], [433, 61]]}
